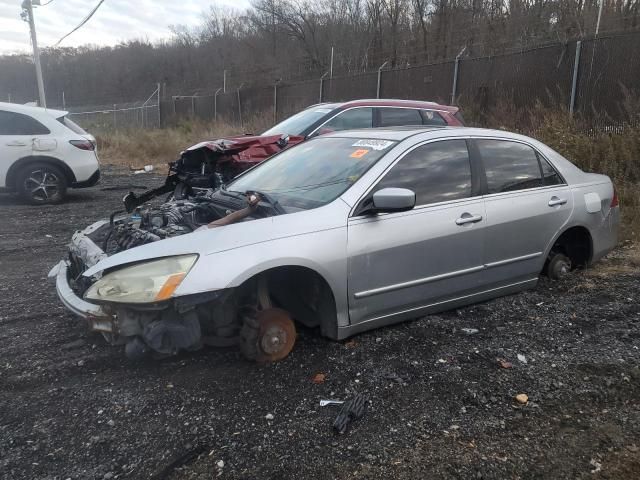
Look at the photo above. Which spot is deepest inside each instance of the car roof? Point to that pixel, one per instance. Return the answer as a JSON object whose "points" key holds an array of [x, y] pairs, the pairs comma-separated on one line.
{"points": [[31, 109], [386, 133], [392, 102], [387, 102], [402, 133]]}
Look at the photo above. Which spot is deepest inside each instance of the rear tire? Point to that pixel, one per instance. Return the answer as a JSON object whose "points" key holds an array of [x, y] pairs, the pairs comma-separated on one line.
{"points": [[558, 266], [41, 184]]}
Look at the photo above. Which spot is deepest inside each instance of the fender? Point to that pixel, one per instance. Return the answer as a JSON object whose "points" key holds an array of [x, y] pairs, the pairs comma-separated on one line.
{"points": [[24, 161]]}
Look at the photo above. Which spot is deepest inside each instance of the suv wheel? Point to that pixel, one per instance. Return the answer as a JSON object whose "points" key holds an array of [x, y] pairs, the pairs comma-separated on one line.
{"points": [[41, 183]]}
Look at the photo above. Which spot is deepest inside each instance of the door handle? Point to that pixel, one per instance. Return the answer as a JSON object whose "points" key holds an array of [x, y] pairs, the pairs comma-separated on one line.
{"points": [[468, 218], [16, 144], [557, 201]]}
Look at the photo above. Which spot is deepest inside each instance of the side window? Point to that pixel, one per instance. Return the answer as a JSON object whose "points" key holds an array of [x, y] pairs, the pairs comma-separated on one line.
{"points": [[509, 165], [18, 124], [350, 119], [394, 117], [432, 118], [549, 175], [436, 172]]}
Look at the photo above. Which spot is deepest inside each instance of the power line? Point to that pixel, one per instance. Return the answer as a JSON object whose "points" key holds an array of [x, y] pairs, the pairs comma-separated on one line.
{"points": [[86, 19]]}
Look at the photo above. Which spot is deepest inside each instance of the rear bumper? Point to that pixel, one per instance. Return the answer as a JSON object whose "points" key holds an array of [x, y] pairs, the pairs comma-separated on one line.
{"points": [[96, 317], [90, 182]]}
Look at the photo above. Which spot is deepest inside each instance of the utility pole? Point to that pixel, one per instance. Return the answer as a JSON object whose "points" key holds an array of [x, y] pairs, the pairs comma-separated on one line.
{"points": [[27, 7]]}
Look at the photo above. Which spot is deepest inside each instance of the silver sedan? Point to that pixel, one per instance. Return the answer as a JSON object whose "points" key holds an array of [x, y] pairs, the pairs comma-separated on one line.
{"points": [[357, 230]]}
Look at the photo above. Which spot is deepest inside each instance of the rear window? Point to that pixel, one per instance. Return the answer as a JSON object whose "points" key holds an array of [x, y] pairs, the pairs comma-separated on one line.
{"points": [[73, 126], [509, 166], [433, 118], [395, 117], [12, 123]]}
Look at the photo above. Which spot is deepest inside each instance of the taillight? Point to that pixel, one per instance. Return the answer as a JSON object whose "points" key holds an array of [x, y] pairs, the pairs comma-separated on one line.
{"points": [[83, 144], [614, 201]]}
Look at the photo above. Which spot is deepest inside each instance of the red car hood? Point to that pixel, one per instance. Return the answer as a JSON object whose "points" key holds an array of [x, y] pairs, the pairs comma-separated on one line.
{"points": [[248, 149]]}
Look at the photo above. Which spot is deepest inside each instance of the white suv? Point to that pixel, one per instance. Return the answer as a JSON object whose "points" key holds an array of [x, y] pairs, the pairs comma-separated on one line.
{"points": [[42, 153]]}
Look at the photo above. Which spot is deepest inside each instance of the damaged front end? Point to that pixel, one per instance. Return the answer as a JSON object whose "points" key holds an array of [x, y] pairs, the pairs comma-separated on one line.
{"points": [[210, 164], [159, 324]]}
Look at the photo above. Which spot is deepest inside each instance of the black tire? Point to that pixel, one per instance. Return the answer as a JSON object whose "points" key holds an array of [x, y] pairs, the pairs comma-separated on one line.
{"points": [[41, 184], [558, 266]]}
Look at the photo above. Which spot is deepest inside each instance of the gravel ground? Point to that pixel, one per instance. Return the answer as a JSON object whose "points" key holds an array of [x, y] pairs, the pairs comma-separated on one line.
{"points": [[71, 406]]}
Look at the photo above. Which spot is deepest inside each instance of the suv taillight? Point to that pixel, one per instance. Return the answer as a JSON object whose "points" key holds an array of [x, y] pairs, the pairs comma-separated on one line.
{"points": [[614, 201], [83, 144]]}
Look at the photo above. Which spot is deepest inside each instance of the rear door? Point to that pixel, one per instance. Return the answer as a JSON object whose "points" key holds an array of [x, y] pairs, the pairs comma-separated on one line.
{"points": [[17, 134], [401, 262], [527, 203]]}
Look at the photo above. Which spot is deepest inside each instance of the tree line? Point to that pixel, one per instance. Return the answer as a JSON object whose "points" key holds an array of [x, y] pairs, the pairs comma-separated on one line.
{"points": [[294, 39]]}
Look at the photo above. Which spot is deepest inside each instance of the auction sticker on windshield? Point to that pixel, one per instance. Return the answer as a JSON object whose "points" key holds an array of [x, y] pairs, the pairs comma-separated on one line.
{"points": [[361, 152], [375, 144]]}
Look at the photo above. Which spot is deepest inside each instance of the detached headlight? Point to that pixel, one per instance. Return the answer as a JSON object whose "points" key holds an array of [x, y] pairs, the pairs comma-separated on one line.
{"points": [[143, 283]]}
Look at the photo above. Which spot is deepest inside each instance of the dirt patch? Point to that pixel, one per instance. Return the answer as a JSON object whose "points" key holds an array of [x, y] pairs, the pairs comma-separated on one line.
{"points": [[73, 407]]}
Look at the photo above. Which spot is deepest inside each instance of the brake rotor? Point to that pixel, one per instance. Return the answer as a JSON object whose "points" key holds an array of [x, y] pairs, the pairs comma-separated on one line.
{"points": [[276, 334]]}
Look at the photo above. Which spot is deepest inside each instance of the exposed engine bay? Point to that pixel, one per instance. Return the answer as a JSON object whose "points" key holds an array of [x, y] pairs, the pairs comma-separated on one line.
{"points": [[151, 223], [169, 328]]}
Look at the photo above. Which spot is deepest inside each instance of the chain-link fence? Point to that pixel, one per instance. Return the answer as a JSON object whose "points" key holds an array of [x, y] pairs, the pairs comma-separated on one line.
{"points": [[101, 118], [594, 78]]}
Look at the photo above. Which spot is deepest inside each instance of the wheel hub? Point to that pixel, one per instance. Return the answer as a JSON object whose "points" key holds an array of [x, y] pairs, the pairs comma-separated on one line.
{"points": [[42, 184], [273, 340], [276, 335]]}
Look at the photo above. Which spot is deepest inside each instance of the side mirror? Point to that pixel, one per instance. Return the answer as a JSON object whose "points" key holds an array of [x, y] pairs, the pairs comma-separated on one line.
{"points": [[394, 200]]}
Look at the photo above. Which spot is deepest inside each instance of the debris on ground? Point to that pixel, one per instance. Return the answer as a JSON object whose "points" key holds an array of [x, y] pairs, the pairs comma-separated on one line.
{"points": [[352, 410], [522, 359], [522, 398], [504, 363], [469, 331], [319, 378]]}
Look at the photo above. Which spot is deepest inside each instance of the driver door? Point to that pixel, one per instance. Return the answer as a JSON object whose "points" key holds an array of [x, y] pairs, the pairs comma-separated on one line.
{"points": [[401, 263]]}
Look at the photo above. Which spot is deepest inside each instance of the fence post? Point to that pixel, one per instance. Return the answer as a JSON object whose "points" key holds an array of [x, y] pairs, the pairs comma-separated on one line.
{"points": [[322, 86], [275, 100], [193, 106], [454, 89], [380, 78], [240, 106], [574, 82], [159, 112], [215, 105], [115, 117]]}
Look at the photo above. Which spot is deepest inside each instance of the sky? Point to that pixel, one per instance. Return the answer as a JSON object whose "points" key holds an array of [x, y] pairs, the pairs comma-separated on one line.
{"points": [[115, 21]]}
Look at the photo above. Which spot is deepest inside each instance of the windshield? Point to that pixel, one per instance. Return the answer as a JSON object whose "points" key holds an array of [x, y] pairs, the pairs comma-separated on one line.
{"points": [[313, 173], [298, 123]]}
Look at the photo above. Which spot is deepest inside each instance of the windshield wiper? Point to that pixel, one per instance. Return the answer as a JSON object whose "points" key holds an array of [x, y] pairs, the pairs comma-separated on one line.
{"points": [[272, 202], [275, 205]]}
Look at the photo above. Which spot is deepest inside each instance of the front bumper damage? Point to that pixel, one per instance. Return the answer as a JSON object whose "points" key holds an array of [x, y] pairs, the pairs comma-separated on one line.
{"points": [[97, 318], [184, 323]]}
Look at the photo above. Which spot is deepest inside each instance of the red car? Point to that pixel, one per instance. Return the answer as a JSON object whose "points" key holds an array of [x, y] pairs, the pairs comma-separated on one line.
{"points": [[208, 164]]}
